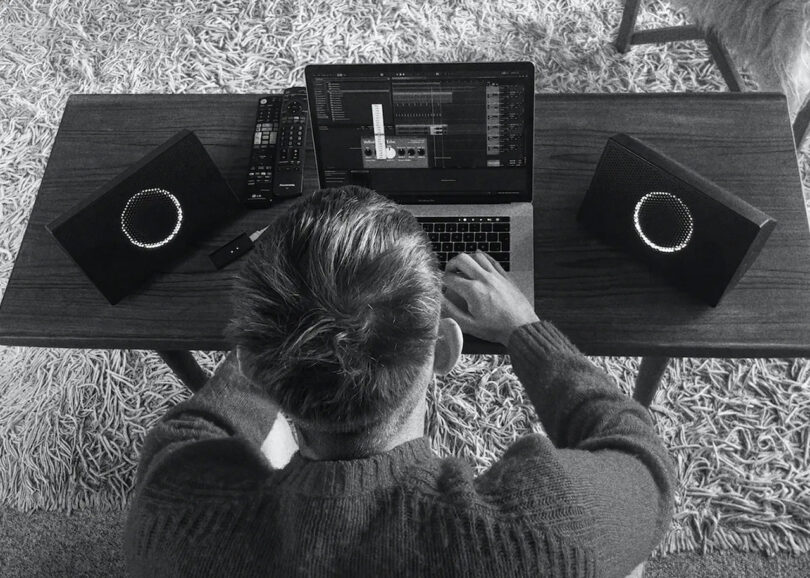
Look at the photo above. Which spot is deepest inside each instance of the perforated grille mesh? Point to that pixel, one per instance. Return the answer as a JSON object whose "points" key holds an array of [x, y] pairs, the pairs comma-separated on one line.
{"points": [[663, 222], [151, 218]]}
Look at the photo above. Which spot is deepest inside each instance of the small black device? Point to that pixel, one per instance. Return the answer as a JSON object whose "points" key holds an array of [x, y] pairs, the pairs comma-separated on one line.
{"points": [[276, 166], [231, 251], [144, 220], [290, 151], [700, 236], [234, 249]]}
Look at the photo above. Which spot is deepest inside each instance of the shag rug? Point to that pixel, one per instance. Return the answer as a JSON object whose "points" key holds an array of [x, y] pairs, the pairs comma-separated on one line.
{"points": [[72, 421]]}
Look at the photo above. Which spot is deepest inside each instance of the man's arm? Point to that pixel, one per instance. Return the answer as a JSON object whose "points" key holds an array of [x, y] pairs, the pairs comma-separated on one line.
{"points": [[606, 444], [606, 450], [227, 410]]}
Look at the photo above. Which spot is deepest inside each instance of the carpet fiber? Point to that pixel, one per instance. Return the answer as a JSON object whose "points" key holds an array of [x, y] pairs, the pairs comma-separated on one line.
{"points": [[72, 421]]}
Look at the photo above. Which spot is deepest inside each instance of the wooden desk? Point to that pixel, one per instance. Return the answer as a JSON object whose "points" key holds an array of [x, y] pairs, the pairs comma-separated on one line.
{"points": [[604, 300]]}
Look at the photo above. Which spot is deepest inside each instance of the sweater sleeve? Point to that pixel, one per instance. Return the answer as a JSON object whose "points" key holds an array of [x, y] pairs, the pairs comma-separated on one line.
{"points": [[226, 416], [605, 446]]}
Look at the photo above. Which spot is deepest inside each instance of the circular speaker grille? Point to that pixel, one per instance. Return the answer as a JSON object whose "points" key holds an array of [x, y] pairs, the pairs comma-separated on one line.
{"points": [[151, 218], [663, 222]]}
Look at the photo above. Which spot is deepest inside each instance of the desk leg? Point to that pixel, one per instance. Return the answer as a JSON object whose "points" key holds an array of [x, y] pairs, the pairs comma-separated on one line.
{"points": [[183, 364], [649, 378]]}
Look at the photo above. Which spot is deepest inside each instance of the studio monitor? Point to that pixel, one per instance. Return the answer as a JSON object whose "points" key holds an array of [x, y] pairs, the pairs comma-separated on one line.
{"points": [[145, 219], [698, 235]]}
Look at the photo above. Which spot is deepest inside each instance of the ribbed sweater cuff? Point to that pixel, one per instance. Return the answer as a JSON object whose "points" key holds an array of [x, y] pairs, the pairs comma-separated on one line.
{"points": [[540, 337]]}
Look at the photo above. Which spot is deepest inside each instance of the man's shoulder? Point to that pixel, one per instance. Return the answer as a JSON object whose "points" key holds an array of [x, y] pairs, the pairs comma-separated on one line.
{"points": [[529, 463], [526, 468], [527, 489], [224, 463]]}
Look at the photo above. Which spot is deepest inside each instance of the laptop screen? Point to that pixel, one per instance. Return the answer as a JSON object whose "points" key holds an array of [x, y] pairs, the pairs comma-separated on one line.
{"points": [[425, 133]]}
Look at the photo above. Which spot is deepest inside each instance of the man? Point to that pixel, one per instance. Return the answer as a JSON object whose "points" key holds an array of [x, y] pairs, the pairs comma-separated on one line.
{"points": [[337, 321]]}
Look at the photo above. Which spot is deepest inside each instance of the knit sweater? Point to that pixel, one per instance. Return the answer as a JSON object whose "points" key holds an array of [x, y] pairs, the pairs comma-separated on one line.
{"points": [[592, 499]]}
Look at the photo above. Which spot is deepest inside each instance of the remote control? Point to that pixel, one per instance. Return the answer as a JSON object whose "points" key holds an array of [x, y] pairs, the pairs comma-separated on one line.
{"points": [[259, 188], [290, 152]]}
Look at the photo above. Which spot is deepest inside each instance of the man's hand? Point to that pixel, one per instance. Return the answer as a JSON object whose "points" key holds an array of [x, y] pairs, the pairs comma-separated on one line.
{"points": [[482, 299]]}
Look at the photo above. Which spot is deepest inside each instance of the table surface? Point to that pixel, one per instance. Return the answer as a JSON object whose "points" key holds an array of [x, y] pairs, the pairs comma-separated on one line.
{"points": [[607, 302]]}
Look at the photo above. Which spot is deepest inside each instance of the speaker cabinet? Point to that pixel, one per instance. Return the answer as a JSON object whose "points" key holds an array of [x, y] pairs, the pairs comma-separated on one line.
{"points": [[698, 235], [144, 220]]}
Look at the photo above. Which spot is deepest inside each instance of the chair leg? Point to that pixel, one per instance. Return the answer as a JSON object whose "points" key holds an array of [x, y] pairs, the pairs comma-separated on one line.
{"points": [[722, 59], [628, 25], [183, 364], [802, 122], [648, 380]]}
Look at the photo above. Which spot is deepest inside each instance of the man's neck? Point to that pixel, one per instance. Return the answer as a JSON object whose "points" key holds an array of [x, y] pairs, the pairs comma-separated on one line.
{"points": [[337, 446]]}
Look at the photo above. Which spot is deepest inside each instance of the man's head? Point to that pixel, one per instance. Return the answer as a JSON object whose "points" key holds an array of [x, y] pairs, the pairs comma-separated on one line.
{"points": [[336, 313]]}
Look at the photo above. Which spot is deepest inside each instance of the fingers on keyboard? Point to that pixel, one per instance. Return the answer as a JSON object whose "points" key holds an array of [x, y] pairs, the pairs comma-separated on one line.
{"points": [[450, 236]]}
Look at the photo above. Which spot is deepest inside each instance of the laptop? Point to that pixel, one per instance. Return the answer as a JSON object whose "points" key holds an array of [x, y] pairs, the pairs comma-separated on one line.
{"points": [[453, 142]]}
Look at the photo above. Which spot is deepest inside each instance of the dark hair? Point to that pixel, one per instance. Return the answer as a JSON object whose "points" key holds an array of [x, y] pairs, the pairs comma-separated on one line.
{"points": [[336, 310]]}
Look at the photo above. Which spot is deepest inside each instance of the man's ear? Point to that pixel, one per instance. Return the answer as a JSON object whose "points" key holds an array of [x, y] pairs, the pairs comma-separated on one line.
{"points": [[448, 346]]}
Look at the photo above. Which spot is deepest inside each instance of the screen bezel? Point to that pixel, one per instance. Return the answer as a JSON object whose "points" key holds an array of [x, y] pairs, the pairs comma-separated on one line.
{"points": [[312, 71]]}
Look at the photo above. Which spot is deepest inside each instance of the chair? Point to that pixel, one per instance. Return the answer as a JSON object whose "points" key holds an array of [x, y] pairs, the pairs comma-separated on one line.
{"points": [[773, 36]]}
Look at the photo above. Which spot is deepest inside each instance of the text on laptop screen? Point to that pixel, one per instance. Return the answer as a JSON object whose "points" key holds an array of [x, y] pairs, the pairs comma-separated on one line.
{"points": [[432, 133]]}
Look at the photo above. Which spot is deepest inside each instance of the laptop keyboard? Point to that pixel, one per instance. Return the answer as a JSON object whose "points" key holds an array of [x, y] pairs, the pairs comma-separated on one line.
{"points": [[453, 235]]}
